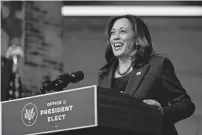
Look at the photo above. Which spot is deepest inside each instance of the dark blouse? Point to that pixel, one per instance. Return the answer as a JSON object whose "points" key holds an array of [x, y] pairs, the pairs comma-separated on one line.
{"points": [[120, 83]]}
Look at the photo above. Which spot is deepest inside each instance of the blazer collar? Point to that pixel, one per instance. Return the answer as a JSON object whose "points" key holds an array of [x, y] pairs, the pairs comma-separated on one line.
{"points": [[110, 76], [134, 80], [107, 69]]}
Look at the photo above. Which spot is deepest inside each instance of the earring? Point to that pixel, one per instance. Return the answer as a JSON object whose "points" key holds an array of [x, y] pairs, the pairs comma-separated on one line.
{"points": [[138, 47], [132, 57]]}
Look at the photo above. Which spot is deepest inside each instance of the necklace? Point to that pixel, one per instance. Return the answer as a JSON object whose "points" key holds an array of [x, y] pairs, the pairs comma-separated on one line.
{"points": [[124, 73]]}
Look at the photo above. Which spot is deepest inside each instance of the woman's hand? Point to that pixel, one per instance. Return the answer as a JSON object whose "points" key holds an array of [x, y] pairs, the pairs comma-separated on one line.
{"points": [[154, 103]]}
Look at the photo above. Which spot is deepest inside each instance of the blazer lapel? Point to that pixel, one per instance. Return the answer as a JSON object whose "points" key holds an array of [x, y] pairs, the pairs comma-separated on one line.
{"points": [[110, 76], [136, 79]]}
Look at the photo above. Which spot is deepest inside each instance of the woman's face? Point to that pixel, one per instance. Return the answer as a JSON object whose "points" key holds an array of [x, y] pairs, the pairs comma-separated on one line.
{"points": [[122, 38]]}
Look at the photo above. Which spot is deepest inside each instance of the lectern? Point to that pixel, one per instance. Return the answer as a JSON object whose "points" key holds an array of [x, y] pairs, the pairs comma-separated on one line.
{"points": [[88, 110]]}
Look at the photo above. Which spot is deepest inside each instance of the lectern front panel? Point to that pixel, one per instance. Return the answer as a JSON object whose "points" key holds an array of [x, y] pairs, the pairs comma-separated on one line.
{"points": [[66, 110]]}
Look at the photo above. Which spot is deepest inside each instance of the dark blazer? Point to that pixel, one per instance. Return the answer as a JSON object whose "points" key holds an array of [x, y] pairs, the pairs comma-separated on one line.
{"points": [[156, 80]]}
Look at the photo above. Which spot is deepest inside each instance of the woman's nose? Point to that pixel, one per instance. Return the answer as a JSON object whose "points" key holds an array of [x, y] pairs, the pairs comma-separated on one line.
{"points": [[116, 36]]}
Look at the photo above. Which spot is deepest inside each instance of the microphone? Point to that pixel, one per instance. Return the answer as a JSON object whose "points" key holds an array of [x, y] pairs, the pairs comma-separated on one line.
{"points": [[77, 76], [62, 81]]}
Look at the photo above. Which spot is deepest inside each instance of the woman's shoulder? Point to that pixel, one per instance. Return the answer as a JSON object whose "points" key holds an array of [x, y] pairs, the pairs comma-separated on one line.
{"points": [[158, 59], [161, 62]]}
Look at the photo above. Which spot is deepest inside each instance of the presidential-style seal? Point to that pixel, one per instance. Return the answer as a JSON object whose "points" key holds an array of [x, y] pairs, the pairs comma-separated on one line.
{"points": [[29, 114]]}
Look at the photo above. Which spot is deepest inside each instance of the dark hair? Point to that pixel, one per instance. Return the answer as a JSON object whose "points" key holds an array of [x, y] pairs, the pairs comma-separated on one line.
{"points": [[143, 40]]}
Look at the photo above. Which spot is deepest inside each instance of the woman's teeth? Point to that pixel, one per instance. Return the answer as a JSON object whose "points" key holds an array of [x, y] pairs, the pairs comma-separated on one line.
{"points": [[118, 45]]}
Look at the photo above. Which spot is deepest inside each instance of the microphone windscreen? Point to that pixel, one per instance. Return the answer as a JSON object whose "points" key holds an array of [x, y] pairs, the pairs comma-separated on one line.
{"points": [[77, 76], [64, 77]]}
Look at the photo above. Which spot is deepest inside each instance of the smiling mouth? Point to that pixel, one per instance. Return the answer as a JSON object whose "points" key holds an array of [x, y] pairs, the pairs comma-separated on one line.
{"points": [[118, 45]]}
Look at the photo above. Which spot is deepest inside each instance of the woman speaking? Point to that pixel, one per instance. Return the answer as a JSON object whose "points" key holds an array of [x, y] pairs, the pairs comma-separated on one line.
{"points": [[133, 68]]}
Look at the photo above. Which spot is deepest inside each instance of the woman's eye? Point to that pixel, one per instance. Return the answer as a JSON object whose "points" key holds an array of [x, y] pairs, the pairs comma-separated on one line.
{"points": [[112, 33], [123, 31]]}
